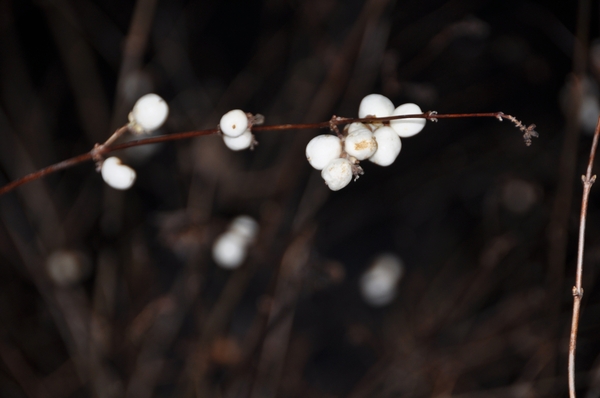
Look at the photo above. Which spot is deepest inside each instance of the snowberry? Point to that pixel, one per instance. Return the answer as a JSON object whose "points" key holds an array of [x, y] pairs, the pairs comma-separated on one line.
{"points": [[244, 226], [229, 250], [337, 174], [356, 126], [360, 144], [116, 174], [375, 105], [323, 149], [149, 113], [240, 142], [378, 284], [234, 123], [388, 146], [407, 127], [67, 267]]}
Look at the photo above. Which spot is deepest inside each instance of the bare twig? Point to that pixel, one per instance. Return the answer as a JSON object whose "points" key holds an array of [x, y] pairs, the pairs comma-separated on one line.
{"points": [[100, 150], [588, 180]]}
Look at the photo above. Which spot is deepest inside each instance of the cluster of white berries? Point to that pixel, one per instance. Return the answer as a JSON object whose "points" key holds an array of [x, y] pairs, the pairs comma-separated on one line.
{"points": [[339, 157], [236, 128], [378, 285], [148, 114], [231, 247]]}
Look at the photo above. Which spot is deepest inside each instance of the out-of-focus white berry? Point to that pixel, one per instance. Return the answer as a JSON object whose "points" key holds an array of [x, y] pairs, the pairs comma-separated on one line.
{"points": [[149, 113], [582, 96], [323, 149], [229, 250], [245, 226], [378, 284], [407, 127], [337, 174], [234, 123], [375, 105], [116, 174], [356, 126], [361, 144], [518, 196], [243, 141], [67, 267], [588, 113], [388, 146]]}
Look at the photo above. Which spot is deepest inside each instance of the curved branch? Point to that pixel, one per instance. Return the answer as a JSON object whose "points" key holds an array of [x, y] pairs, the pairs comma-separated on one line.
{"points": [[100, 150]]}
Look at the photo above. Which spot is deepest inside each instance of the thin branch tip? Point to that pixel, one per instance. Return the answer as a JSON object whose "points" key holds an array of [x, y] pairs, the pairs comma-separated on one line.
{"points": [[528, 131]]}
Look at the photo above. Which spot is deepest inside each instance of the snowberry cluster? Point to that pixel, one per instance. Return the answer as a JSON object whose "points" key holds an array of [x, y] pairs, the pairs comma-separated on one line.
{"points": [[338, 157], [148, 114], [235, 126], [230, 249]]}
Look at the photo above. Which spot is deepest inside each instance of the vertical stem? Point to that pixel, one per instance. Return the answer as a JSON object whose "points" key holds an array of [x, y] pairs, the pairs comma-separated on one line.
{"points": [[588, 181]]}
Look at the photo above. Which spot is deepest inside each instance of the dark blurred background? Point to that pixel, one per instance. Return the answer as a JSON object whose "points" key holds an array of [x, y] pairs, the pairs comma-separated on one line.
{"points": [[109, 293]]}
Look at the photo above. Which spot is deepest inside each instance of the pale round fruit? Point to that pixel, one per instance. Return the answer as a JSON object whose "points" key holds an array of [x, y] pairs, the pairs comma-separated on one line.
{"points": [[116, 174], [407, 127], [360, 143], [322, 149], [357, 126], [241, 142], [375, 105], [245, 226], [388, 146], [67, 267], [149, 112], [378, 285], [229, 250], [337, 174], [234, 123]]}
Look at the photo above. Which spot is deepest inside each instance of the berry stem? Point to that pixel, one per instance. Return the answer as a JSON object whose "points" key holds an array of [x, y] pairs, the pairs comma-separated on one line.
{"points": [[100, 150]]}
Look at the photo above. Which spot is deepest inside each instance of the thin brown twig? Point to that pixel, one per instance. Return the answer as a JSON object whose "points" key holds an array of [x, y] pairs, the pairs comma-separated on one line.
{"points": [[100, 150], [588, 180]]}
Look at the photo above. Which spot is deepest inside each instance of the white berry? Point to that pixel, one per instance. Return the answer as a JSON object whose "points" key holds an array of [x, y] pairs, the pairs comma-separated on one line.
{"points": [[360, 143], [407, 127], [240, 142], [245, 226], [149, 113], [323, 149], [234, 123], [229, 250], [356, 126], [388, 146], [116, 174], [378, 284], [67, 267], [375, 105], [337, 174]]}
